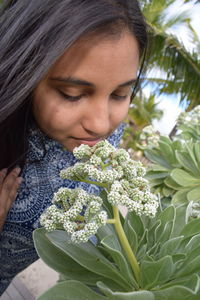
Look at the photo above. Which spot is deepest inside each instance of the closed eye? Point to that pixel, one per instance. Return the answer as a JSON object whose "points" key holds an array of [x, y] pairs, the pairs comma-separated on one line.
{"points": [[70, 97], [119, 97]]}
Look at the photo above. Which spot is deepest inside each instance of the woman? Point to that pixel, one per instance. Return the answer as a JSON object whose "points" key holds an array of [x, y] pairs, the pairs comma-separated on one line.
{"points": [[68, 69]]}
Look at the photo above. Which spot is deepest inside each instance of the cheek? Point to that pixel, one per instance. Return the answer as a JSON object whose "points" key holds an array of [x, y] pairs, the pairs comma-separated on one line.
{"points": [[47, 114], [120, 113]]}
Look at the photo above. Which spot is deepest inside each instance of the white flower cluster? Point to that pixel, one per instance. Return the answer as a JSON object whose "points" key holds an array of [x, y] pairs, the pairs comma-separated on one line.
{"points": [[80, 213], [191, 118], [122, 176], [149, 137], [67, 210], [193, 210], [135, 195]]}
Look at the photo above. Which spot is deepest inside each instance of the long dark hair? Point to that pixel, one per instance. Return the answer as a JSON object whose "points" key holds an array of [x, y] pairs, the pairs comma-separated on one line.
{"points": [[33, 35]]}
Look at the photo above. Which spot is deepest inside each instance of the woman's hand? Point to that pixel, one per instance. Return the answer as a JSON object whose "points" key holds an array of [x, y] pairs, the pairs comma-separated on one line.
{"points": [[8, 191]]}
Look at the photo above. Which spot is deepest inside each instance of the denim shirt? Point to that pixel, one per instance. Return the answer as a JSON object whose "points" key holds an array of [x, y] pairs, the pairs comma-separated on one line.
{"points": [[45, 159]]}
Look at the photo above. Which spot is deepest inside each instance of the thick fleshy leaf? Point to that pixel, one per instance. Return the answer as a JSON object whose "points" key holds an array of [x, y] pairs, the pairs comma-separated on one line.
{"points": [[63, 263], [156, 175], [151, 233], [166, 191], [114, 249], [176, 293], [158, 168], [157, 272], [192, 282], [171, 183], [180, 197], [196, 152], [136, 223], [190, 265], [187, 163], [167, 220], [192, 228], [194, 194], [166, 233], [156, 157], [193, 243], [103, 231], [88, 256], [71, 290], [135, 295], [131, 236], [167, 151], [184, 178], [170, 246]]}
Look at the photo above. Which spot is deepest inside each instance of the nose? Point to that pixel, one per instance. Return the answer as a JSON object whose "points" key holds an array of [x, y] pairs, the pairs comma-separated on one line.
{"points": [[97, 118]]}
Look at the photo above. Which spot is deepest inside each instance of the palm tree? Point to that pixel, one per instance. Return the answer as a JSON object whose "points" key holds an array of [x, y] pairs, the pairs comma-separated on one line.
{"points": [[179, 67], [141, 113]]}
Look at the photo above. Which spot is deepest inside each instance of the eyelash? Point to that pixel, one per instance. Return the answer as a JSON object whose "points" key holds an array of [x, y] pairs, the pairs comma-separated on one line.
{"points": [[70, 98], [117, 97], [77, 98]]}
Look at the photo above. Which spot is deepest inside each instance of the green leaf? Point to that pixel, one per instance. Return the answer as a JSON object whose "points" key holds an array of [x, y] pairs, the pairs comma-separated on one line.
{"points": [[167, 191], [71, 290], [107, 206], [180, 197], [189, 265], [177, 145], [156, 168], [166, 234], [135, 295], [142, 250], [62, 263], [187, 163], [167, 152], [196, 152], [179, 221], [113, 247], [193, 243], [183, 178], [171, 183], [136, 223], [170, 246], [192, 282], [88, 256], [156, 175], [192, 228], [157, 272], [191, 151], [176, 293], [131, 236], [167, 220], [194, 194], [103, 231], [178, 259], [156, 157], [151, 234], [166, 140]]}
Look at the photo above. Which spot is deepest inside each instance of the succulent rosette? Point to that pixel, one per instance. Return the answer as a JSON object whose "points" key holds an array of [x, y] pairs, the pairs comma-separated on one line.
{"points": [[152, 253]]}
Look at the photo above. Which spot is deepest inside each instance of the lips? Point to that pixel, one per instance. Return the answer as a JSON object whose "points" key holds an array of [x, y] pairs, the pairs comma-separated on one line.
{"points": [[88, 141]]}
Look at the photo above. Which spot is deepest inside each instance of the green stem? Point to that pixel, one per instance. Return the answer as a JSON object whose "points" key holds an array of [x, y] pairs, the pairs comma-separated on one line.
{"points": [[104, 185], [111, 221], [125, 244]]}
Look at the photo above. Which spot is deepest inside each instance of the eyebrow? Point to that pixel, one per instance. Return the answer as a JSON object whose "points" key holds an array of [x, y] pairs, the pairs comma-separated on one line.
{"points": [[80, 82]]}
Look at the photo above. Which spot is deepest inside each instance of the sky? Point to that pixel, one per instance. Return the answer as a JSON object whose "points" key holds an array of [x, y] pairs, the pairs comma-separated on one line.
{"points": [[170, 105]]}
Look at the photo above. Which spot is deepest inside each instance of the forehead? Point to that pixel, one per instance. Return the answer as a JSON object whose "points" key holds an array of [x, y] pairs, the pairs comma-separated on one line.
{"points": [[90, 57]]}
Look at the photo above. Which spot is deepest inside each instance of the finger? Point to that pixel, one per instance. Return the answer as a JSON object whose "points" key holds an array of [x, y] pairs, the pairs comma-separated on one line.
{"points": [[13, 192], [8, 186], [3, 173]]}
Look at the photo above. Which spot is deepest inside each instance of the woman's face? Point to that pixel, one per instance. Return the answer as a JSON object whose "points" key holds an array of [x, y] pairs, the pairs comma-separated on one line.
{"points": [[86, 94]]}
